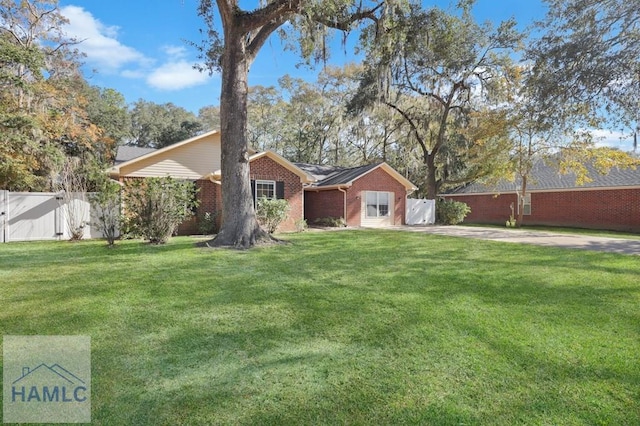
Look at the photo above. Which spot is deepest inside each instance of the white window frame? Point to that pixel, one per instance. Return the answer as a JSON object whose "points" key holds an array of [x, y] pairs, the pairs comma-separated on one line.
{"points": [[526, 205], [377, 193], [265, 182]]}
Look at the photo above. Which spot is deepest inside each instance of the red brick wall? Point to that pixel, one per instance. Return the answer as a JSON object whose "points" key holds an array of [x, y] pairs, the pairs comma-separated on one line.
{"points": [[376, 180], [616, 209], [265, 168], [331, 203], [322, 204], [488, 208], [210, 197]]}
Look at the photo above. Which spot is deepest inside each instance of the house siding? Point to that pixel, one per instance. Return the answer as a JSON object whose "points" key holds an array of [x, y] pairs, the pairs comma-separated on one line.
{"points": [[613, 209], [264, 168], [191, 161]]}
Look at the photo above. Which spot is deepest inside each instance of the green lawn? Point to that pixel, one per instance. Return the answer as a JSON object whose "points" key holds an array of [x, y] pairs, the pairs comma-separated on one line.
{"points": [[349, 327]]}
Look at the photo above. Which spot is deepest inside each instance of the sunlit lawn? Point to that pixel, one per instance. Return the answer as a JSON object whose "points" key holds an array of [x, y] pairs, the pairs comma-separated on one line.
{"points": [[351, 327]]}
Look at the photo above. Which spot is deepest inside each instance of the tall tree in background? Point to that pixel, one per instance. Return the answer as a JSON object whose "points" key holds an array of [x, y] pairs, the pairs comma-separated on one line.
{"points": [[244, 33], [437, 79], [159, 125], [107, 109], [209, 117], [586, 64], [267, 119], [42, 114]]}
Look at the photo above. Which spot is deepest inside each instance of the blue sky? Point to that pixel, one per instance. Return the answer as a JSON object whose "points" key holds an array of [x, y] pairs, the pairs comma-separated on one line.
{"points": [[139, 48]]}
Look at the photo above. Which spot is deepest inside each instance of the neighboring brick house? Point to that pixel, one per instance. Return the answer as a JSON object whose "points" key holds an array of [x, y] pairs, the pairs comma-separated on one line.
{"points": [[610, 201], [312, 191]]}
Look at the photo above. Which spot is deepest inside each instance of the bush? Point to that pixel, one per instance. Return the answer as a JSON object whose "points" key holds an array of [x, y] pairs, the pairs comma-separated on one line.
{"points": [[154, 207], [207, 223], [449, 212], [106, 201], [271, 213], [301, 225], [332, 222]]}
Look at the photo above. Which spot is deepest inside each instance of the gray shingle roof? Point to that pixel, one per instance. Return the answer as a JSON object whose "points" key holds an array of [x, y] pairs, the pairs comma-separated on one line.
{"points": [[546, 177], [334, 175], [126, 153]]}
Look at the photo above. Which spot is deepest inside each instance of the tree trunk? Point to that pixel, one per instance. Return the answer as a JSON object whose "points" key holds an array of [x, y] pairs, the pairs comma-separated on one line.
{"points": [[240, 227], [432, 182], [521, 202]]}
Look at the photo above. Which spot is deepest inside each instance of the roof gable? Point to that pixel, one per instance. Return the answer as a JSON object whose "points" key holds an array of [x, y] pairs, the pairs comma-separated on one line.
{"points": [[189, 159], [304, 176]]}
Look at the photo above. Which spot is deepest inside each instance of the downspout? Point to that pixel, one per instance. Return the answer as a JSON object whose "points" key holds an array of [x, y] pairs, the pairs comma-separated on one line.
{"points": [[344, 203]]}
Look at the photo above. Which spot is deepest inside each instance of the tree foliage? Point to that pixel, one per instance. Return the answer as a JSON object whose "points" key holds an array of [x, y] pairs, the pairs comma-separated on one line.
{"points": [[442, 80], [159, 125], [43, 97], [586, 63]]}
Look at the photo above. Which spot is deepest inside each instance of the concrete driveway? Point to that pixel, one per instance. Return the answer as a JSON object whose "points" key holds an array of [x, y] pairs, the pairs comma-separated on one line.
{"points": [[542, 238]]}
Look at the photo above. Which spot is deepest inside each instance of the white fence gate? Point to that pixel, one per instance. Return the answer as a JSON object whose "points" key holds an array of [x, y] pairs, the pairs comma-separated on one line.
{"points": [[420, 212], [31, 216]]}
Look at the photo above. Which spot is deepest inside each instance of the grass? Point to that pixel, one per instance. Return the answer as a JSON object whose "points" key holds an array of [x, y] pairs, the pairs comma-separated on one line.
{"points": [[351, 327]]}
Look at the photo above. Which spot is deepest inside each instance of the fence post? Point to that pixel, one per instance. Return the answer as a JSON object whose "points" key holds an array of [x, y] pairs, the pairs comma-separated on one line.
{"points": [[4, 214]]}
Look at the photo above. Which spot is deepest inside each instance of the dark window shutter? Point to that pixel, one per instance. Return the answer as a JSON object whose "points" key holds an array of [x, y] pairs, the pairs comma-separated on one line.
{"points": [[253, 191], [280, 190]]}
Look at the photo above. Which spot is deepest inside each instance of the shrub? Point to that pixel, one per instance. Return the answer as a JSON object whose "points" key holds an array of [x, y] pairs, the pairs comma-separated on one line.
{"points": [[106, 201], [301, 225], [332, 222], [207, 223], [154, 207], [449, 212], [271, 213], [72, 183]]}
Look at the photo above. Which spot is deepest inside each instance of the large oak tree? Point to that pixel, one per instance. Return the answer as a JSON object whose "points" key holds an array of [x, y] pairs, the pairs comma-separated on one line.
{"points": [[233, 50]]}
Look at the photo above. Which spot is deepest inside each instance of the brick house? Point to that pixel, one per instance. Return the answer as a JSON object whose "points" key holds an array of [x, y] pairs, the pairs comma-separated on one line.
{"points": [[372, 195], [610, 201]]}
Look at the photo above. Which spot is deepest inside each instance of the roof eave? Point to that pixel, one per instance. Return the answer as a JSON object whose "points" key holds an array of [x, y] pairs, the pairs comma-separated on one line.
{"points": [[328, 187]]}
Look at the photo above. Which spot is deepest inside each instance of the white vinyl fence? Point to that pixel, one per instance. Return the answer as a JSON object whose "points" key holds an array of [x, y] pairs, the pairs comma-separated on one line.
{"points": [[420, 212], [31, 216]]}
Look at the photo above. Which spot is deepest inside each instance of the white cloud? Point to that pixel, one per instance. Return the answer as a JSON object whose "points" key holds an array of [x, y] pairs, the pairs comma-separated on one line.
{"points": [[612, 139], [99, 41], [175, 51], [133, 74], [176, 75], [104, 51]]}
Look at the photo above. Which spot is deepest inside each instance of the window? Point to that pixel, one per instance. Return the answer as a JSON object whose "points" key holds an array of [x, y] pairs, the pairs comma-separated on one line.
{"points": [[526, 205], [266, 189], [377, 204]]}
